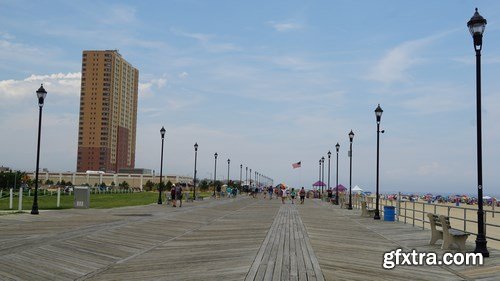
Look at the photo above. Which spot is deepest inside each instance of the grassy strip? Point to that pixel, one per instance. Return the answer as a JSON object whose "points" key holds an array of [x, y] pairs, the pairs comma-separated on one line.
{"points": [[101, 201], [98, 201]]}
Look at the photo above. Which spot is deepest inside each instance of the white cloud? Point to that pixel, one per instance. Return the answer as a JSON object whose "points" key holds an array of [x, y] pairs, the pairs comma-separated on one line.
{"points": [[285, 26], [183, 75], [61, 84], [294, 63], [207, 41], [56, 76], [433, 168], [147, 89], [395, 65], [18, 52], [122, 14], [6, 35]]}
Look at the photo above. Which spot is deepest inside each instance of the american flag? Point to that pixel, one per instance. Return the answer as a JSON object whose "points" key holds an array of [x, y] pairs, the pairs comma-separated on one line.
{"points": [[296, 165]]}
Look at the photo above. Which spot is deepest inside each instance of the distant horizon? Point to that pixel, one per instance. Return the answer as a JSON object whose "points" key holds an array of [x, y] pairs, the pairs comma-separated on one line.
{"points": [[385, 192]]}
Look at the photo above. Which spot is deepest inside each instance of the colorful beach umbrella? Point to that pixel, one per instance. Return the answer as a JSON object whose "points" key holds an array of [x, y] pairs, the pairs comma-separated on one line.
{"points": [[340, 187], [319, 183]]}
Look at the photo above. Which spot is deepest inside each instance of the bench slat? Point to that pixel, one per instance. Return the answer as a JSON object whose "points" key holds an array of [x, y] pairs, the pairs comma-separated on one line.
{"points": [[456, 232]]}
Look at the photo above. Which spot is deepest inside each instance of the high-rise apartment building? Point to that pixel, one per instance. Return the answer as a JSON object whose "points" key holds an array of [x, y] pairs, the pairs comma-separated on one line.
{"points": [[108, 112]]}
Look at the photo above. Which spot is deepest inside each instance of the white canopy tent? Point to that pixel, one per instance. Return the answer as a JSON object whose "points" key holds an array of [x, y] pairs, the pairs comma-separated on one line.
{"points": [[357, 189]]}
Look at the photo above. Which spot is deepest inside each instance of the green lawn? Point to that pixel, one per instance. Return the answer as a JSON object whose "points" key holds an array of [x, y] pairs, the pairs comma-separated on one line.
{"points": [[99, 201]]}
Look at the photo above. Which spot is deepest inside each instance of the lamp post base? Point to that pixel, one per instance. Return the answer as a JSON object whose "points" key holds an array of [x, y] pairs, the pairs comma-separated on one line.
{"points": [[34, 207], [377, 215], [481, 247], [349, 208], [159, 199]]}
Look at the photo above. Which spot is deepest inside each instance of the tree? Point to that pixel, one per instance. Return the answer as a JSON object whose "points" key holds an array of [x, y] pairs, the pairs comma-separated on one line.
{"points": [[204, 185], [218, 185], [49, 182], [11, 179], [149, 185], [169, 185], [124, 185]]}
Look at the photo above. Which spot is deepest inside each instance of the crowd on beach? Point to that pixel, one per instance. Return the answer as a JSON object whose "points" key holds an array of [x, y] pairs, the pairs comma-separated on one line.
{"points": [[440, 199], [291, 194]]}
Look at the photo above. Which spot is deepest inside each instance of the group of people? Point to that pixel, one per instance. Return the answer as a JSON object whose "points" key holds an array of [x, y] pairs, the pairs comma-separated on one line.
{"points": [[284, 193], [176, 195]]}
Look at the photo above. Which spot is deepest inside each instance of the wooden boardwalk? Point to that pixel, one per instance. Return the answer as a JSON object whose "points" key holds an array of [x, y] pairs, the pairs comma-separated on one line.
{"points": [[231, 239], [350, 247], [286, 253]]}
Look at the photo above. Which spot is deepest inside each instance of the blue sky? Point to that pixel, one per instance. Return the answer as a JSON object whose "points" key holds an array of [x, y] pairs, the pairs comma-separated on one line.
{"points": [[266, 83]]}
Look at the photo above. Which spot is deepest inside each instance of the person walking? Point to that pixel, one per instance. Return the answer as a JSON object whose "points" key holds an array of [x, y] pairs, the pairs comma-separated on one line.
{"points": [[178, 194], [172, 196], [292, 195], [283, 194], [270, 190], [219, 188], [330, 194], [302, 194]]}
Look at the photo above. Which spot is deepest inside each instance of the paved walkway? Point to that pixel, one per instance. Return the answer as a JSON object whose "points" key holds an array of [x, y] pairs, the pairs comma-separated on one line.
{"points": [[232, 239]]}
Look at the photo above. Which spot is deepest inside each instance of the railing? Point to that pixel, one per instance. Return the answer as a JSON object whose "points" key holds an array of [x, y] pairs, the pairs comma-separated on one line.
{"points": [[415, 213]]}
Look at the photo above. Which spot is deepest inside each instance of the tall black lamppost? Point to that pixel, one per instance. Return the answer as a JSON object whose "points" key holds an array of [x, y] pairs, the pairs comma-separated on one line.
{"points": [[378, 115], [476, 27], [250, 180], [41, 94], [241, 173], [322, 173], [194, 180], [246, 175], [228, 164], [337, 147], [329, 155], [351, 137], [319, 177], [215, 171], [162, 133]]}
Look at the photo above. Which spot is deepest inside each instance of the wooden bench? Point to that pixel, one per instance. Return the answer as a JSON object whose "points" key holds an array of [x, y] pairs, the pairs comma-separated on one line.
{"points": [[446, 233], [365, 211]]}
